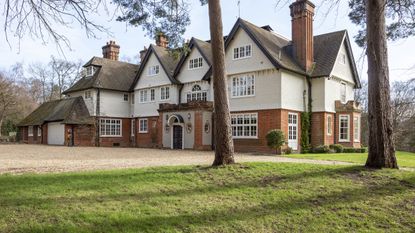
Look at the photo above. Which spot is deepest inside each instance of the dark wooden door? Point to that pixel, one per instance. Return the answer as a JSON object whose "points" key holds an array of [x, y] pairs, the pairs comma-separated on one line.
{"points": [[177, 137]]}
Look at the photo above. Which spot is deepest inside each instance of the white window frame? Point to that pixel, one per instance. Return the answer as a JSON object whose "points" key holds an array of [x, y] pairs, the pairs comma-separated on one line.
{"points": [[292, 127], [141, 124], [108, 127], [356, 126], [238, 54], [348, 128], [30, 131], [343, 90], [329, 125], [153, 70], [132, 127], [196, 95], [39, 131], [195, 63], [164, 93], [89, 71], [241, 126], [240, 84], [152, 95], [143, 96], [87, 95], [124, 97]]}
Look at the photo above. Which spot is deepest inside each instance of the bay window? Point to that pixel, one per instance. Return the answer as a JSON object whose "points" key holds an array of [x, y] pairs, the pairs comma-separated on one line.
{"points": [[344, 128]]}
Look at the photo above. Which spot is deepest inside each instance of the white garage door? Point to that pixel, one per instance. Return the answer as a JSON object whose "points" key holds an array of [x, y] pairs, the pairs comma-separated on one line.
{"points": [[56, 133]]}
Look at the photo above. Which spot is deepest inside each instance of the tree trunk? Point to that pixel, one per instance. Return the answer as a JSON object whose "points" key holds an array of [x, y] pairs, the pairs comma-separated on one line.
{"points": [[223, 133], [381, 146]]}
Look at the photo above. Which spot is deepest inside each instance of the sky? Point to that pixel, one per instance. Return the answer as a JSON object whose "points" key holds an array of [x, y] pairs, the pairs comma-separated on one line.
{"points": [[259, 12]]}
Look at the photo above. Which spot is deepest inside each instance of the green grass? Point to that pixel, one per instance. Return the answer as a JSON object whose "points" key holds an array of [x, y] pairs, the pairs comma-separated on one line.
{"points": [[405, 159], [252, 197]]}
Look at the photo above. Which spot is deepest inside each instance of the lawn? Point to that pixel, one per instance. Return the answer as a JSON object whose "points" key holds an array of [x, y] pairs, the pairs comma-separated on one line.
{"points": [[252, 197], [405, 159]]}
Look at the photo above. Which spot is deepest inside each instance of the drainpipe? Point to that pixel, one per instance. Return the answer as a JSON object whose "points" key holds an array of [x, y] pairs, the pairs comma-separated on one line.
{"points": [[180, 93], [97, 114]]}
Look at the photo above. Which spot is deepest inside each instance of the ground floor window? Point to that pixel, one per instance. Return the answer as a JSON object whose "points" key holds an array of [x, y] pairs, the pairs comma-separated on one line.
{"points": [[132, 127], [244, 125], [356, 126], [292, 126], [39, 131], [329, 125], [143, 126], [110, 127], [30, 131], [344, 128]]}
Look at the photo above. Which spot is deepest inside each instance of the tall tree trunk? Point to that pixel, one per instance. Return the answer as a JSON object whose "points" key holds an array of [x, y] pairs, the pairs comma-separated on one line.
{"points": [[223, 134], [381, 146]]}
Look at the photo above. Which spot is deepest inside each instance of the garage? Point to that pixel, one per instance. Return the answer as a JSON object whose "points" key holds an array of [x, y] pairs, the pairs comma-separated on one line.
{"points": [[56, 133]]}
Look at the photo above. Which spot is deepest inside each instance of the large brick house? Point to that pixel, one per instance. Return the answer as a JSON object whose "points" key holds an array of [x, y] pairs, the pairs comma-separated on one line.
{"points": [[168, 103]]}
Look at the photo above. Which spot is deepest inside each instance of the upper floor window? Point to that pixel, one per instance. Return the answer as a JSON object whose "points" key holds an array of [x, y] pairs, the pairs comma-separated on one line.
{"points": [[110, 127], [243, 85], [125, 97], [152, 94], [197, 94], [87, 95], [242, 52], [344, 128], [89, 71], [30, 131], [165, 93], [143, 96], [153, 70], [343, 92], [342, 58], [195, 63]]}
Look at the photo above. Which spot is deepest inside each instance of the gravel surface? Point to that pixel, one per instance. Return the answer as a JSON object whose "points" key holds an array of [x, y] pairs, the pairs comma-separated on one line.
{"points": [[22, 158]]}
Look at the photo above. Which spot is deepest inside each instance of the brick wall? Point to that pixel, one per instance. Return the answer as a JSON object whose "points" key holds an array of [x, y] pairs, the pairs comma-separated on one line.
{"points": [[151, 139], [84, 135], [267, 120], [319, 124], [124, 140]]}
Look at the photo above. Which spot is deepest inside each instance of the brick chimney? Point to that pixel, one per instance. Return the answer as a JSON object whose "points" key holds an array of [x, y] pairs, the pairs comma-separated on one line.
{"points": [[111, 50], [302, 12], [161, 40], [143, 53]]}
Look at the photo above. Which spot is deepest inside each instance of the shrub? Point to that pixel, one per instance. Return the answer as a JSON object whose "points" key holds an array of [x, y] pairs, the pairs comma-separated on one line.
{"points": [[354, 150], [288, 150], [275, 139], [322, 149], [337, 148]]}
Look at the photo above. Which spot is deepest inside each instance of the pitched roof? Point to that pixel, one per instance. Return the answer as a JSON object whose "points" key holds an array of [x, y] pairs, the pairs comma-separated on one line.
{"points": [[70, 111], [204, 49], [279, 49], [166, 60], [111, 75]]}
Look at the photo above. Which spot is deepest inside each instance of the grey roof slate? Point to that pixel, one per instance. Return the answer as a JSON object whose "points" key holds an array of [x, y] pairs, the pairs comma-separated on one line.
{"points": [[110, 74], [70, 111]]}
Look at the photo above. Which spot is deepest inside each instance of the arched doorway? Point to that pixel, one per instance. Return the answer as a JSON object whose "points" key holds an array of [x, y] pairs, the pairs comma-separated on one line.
{"points": [[176, 124]]}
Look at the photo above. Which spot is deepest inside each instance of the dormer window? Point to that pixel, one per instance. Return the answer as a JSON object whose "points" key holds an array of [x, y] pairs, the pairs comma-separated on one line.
{"points": [[153, 70], [89, 71], [195, 63], [242, 52]]}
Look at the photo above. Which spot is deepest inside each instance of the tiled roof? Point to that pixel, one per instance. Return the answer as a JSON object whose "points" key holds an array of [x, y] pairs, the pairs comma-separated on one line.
{"points": [[110, 74], [70, 111]]}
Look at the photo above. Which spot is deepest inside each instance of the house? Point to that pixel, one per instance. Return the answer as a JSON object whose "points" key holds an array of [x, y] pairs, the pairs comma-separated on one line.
{"points": [[168, 103]]}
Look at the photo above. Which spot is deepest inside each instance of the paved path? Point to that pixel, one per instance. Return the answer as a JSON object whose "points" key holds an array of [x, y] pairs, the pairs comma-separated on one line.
{"points": [[18, 159]]}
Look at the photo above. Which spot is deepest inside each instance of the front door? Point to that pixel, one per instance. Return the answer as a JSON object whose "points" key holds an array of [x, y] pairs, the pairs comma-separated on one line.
{"points": [[293, 130], [177, 137]]}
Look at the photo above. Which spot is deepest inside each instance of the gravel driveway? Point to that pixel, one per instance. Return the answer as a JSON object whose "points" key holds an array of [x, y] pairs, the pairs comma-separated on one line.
{"points": [[23, 158]]}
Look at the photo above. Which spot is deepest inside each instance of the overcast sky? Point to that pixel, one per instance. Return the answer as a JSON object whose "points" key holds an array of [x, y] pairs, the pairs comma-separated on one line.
{"points": [[133, 39]]}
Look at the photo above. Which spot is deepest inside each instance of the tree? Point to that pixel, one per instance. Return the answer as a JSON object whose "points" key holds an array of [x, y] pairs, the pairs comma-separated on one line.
{"points": [[8, 98], [171, 17], [275, 140]]}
